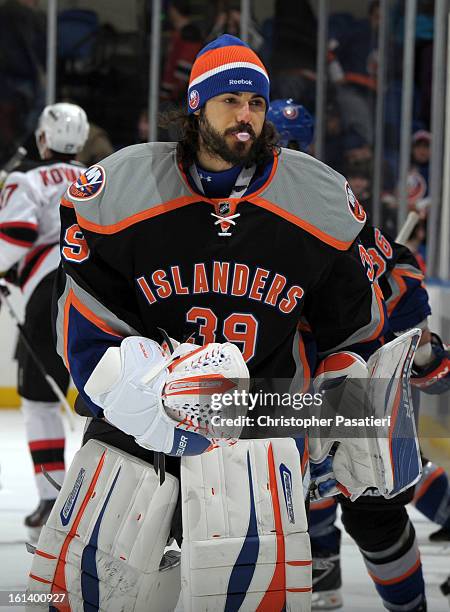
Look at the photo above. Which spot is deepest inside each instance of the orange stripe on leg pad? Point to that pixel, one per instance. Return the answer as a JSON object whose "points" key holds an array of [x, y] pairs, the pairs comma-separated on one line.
{"points": [[275, 596], [60, 578]]}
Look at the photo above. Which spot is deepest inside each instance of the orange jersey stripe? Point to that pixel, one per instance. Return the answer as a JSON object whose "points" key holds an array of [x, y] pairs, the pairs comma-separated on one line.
{"points": [[164, 207], [398, 276], [321, 505], [141, 216], [379, 299], [73, 300], [398, 578], [308, 227], [67, 203], [305, 364]]}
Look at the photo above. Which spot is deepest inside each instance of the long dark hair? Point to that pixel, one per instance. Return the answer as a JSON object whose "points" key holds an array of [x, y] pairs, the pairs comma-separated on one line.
{"points": [[187, 130]]}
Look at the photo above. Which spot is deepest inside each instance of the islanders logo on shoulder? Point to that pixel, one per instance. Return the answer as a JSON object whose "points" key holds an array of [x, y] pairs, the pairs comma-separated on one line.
{"points": [[354, 206], [88, 185]]}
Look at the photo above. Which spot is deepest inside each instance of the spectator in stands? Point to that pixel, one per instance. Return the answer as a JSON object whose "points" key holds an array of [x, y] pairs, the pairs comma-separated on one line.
{"points": [[293, 61], [418, 176], [359, 178], [334, 139], [353, 68], [22, 69], [416, 243], [97, 146], [356, 148], [228, 21], [423, 37], [184, 43]]}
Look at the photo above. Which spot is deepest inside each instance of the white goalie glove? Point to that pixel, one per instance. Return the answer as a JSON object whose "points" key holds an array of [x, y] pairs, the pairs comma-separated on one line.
{"points": [[164, 401]]}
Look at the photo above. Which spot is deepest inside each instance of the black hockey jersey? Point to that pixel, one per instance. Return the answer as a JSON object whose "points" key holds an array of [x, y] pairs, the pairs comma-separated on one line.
{"points": [[141, 250], [400, 278]]}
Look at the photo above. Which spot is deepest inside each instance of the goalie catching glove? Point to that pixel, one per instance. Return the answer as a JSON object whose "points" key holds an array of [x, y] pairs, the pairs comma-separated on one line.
{"points": [[165, 401]]}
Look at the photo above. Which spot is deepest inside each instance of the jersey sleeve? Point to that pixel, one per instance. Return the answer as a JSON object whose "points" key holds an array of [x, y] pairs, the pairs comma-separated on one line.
{"points": [[19, 219], [400, 278], [94, 302], [346, 310]]}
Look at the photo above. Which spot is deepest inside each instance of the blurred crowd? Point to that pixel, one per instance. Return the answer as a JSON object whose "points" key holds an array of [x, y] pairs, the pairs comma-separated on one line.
{"points": [[106, 72]]}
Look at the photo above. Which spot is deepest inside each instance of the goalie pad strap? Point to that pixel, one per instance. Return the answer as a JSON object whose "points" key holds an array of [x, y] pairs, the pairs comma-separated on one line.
{"points": [[245, 544], [105, 537]]}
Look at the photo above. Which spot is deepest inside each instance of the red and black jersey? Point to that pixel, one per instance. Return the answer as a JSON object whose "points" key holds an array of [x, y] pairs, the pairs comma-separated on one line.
{"points": [[141, 250], [29, 219]]}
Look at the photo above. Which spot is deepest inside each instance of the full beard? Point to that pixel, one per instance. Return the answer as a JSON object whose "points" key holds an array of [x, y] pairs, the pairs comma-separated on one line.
{"points": [[215, 144]]}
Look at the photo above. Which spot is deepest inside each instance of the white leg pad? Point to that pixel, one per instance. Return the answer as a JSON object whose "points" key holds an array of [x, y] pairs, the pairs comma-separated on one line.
{"points": [[245, 542], [104, 539]]}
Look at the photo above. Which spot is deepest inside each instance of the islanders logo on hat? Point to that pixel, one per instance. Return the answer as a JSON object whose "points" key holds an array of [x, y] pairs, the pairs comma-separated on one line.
{"points": [[225, 65], [194, 99]]}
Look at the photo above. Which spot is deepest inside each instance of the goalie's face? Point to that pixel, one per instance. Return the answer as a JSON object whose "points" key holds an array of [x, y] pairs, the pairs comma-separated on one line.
{"points": [[230, 125]]}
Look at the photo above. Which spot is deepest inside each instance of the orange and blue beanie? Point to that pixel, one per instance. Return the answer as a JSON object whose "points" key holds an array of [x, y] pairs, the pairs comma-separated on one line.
{"points": [[225, 65]]}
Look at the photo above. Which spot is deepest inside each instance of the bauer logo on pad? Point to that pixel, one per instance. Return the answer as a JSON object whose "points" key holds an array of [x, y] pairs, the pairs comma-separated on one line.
{"points": [[286, 480], [68, 507], [88, 185]]}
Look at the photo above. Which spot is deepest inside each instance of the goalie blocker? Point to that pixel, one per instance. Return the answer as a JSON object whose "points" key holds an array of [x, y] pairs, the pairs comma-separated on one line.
{"points": [[389, 457]]}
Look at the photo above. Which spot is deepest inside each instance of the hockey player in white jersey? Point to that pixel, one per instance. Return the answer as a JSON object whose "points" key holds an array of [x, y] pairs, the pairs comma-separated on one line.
{"points": [[29, 256]]}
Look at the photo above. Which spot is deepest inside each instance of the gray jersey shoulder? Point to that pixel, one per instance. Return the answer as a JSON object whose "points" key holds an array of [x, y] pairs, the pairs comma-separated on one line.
{"points": [[317, 196], [133, 180]]}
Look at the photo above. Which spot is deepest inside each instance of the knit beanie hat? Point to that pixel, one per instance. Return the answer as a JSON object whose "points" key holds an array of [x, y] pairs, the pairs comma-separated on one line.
{"points": [[226, 65]]}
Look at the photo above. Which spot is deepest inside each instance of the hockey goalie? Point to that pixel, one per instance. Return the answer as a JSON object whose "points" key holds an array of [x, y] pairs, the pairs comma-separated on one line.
{"points": [[245, 544]]}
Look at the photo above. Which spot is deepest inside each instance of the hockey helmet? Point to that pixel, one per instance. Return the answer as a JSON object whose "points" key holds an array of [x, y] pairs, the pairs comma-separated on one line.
{"points": [[293, 122], [65, 127]]}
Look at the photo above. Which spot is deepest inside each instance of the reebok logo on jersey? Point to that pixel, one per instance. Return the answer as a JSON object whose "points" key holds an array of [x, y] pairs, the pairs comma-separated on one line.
{"points": [[88, 185], [286, 480], [68, 507], [240, 82]]}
